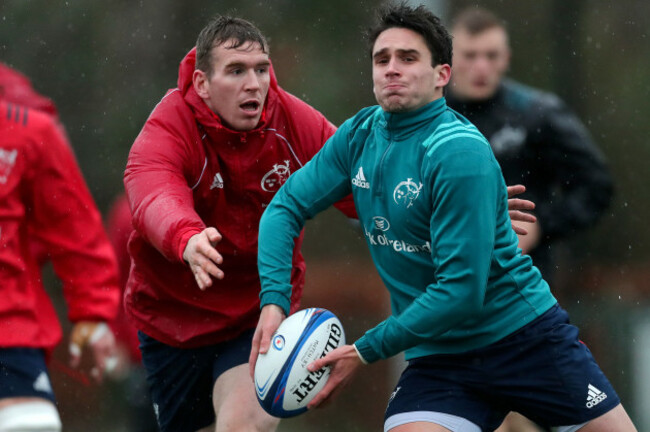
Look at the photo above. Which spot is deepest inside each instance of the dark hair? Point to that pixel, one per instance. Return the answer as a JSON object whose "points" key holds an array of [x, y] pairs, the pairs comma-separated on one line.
{"points": [[220, 30], [476, 20], [419, 20]]}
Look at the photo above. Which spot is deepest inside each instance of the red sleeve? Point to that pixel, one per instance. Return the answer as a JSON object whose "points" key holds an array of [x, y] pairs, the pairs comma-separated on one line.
{"points": [[163, 161], [313, 131], [346, 205], [68, 224]]}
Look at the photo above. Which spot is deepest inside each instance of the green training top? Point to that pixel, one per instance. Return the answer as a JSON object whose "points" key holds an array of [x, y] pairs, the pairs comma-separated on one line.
{"points": [[434, 209]]}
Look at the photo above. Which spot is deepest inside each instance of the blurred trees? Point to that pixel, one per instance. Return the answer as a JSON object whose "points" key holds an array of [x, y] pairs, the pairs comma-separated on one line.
{"points": [[106, 64]]}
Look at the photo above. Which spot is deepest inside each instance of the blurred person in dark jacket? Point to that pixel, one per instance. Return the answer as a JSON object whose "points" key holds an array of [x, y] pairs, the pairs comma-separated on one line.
{"points": [[536, 139]]}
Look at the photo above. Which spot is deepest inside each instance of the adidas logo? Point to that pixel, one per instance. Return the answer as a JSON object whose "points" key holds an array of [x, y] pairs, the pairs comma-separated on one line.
{"points": [[359, 180], [594, 396], [393, 394], [42, 383], [217, 182]]}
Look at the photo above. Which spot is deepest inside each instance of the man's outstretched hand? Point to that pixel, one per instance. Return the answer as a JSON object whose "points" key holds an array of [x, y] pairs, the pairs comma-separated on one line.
{"points": [[202, 256], [517, 208]]}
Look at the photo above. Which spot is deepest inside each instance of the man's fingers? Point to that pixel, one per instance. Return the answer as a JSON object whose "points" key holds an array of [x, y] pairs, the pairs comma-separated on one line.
{"points": [[203, 269], [516, 190], [519, 230], [516, 215], [203, 279], [333, 395], [520, 204], [317, 364], [265, 341], [213, 235], [209, 252], [255, 349], [323, 394], [210, 268]]}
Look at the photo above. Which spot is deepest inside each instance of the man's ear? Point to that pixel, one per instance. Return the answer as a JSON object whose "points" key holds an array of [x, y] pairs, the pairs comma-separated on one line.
{"points": [[200, 82], [443, 74]]}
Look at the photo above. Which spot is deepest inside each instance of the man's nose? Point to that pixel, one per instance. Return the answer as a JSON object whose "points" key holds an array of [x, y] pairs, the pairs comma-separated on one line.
{"points": [[252, 82], [482, 63], [392, 68]]}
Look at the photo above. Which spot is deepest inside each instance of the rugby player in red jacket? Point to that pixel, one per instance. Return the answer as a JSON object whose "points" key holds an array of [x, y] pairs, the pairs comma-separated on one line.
{"points": [[206, 164], [44, 198]]}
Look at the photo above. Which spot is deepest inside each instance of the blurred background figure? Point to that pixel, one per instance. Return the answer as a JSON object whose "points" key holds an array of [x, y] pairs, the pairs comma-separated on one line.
{"points": [[537, 140], [17, 88], [140, 415], [45, 203]]}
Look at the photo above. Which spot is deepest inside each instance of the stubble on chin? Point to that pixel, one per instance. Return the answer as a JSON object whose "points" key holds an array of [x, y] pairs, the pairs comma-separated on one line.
{"points": [[393, 107]]}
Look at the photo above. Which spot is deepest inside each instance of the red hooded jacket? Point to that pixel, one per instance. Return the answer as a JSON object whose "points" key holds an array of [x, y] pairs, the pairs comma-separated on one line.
{"points": [[187, 171], [17, 88], [43, 198]]}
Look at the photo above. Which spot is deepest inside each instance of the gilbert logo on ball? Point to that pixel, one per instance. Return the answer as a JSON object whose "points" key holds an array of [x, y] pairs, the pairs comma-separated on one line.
{"points": [[283, 384]]}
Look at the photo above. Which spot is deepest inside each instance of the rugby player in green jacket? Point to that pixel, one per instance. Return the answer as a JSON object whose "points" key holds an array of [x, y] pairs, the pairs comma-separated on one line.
{"points": [[481, 331]]}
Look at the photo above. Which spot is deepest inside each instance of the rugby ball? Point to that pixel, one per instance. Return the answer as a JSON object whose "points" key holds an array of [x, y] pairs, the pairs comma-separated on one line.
{"points": [[283, 384]]}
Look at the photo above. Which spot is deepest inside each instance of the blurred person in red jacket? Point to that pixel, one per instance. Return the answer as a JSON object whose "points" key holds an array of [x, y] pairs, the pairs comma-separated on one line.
{"points": [[139, 415], [17, 88], [207, 162], [44, 199]]}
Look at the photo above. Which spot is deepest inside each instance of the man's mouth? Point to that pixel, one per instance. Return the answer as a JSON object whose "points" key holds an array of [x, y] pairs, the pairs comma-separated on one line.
{"points": [[250, 106]]}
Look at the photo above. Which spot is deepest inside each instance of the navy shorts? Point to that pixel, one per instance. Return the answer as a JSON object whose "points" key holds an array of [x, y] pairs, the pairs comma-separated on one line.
{"points": [[23, 374], [542, 371], [181, 380]]}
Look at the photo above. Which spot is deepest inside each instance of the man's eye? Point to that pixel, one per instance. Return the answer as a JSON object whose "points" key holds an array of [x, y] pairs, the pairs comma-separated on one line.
{"points": [[236, 71]]}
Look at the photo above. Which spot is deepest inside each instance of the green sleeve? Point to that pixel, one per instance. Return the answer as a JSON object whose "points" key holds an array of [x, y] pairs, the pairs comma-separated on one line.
{"points": [[465, 189], [320, 183]]}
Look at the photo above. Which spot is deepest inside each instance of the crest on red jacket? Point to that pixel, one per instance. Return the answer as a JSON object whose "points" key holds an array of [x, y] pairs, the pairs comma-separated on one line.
{"points": [[275, 178]]}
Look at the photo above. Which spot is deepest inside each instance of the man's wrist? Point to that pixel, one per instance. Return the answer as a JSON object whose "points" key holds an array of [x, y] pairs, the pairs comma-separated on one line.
{"points": [[359, 354], [277, 299], [183, 239]]}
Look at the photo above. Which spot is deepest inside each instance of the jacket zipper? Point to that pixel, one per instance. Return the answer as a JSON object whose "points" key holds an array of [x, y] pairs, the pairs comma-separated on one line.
{"points": [[380, 175]]}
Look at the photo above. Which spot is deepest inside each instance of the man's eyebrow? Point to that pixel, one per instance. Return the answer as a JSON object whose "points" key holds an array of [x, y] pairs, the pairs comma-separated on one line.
{"points": [[383, 51], [408, 52], [380, 52], [240, 64]]}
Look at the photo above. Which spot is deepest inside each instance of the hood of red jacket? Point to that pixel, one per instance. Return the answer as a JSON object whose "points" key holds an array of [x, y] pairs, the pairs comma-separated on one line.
{"points": [[16, 88], [204, 115]]}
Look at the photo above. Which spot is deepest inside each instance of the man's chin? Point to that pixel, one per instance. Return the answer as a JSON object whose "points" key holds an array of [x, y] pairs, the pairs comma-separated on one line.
{"points": [[245, 125], [393, 105]]}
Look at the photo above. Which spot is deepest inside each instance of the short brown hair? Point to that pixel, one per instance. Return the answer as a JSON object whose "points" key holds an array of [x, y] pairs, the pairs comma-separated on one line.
{"points": [[222, 29], [476, 20], [421, 21]]}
